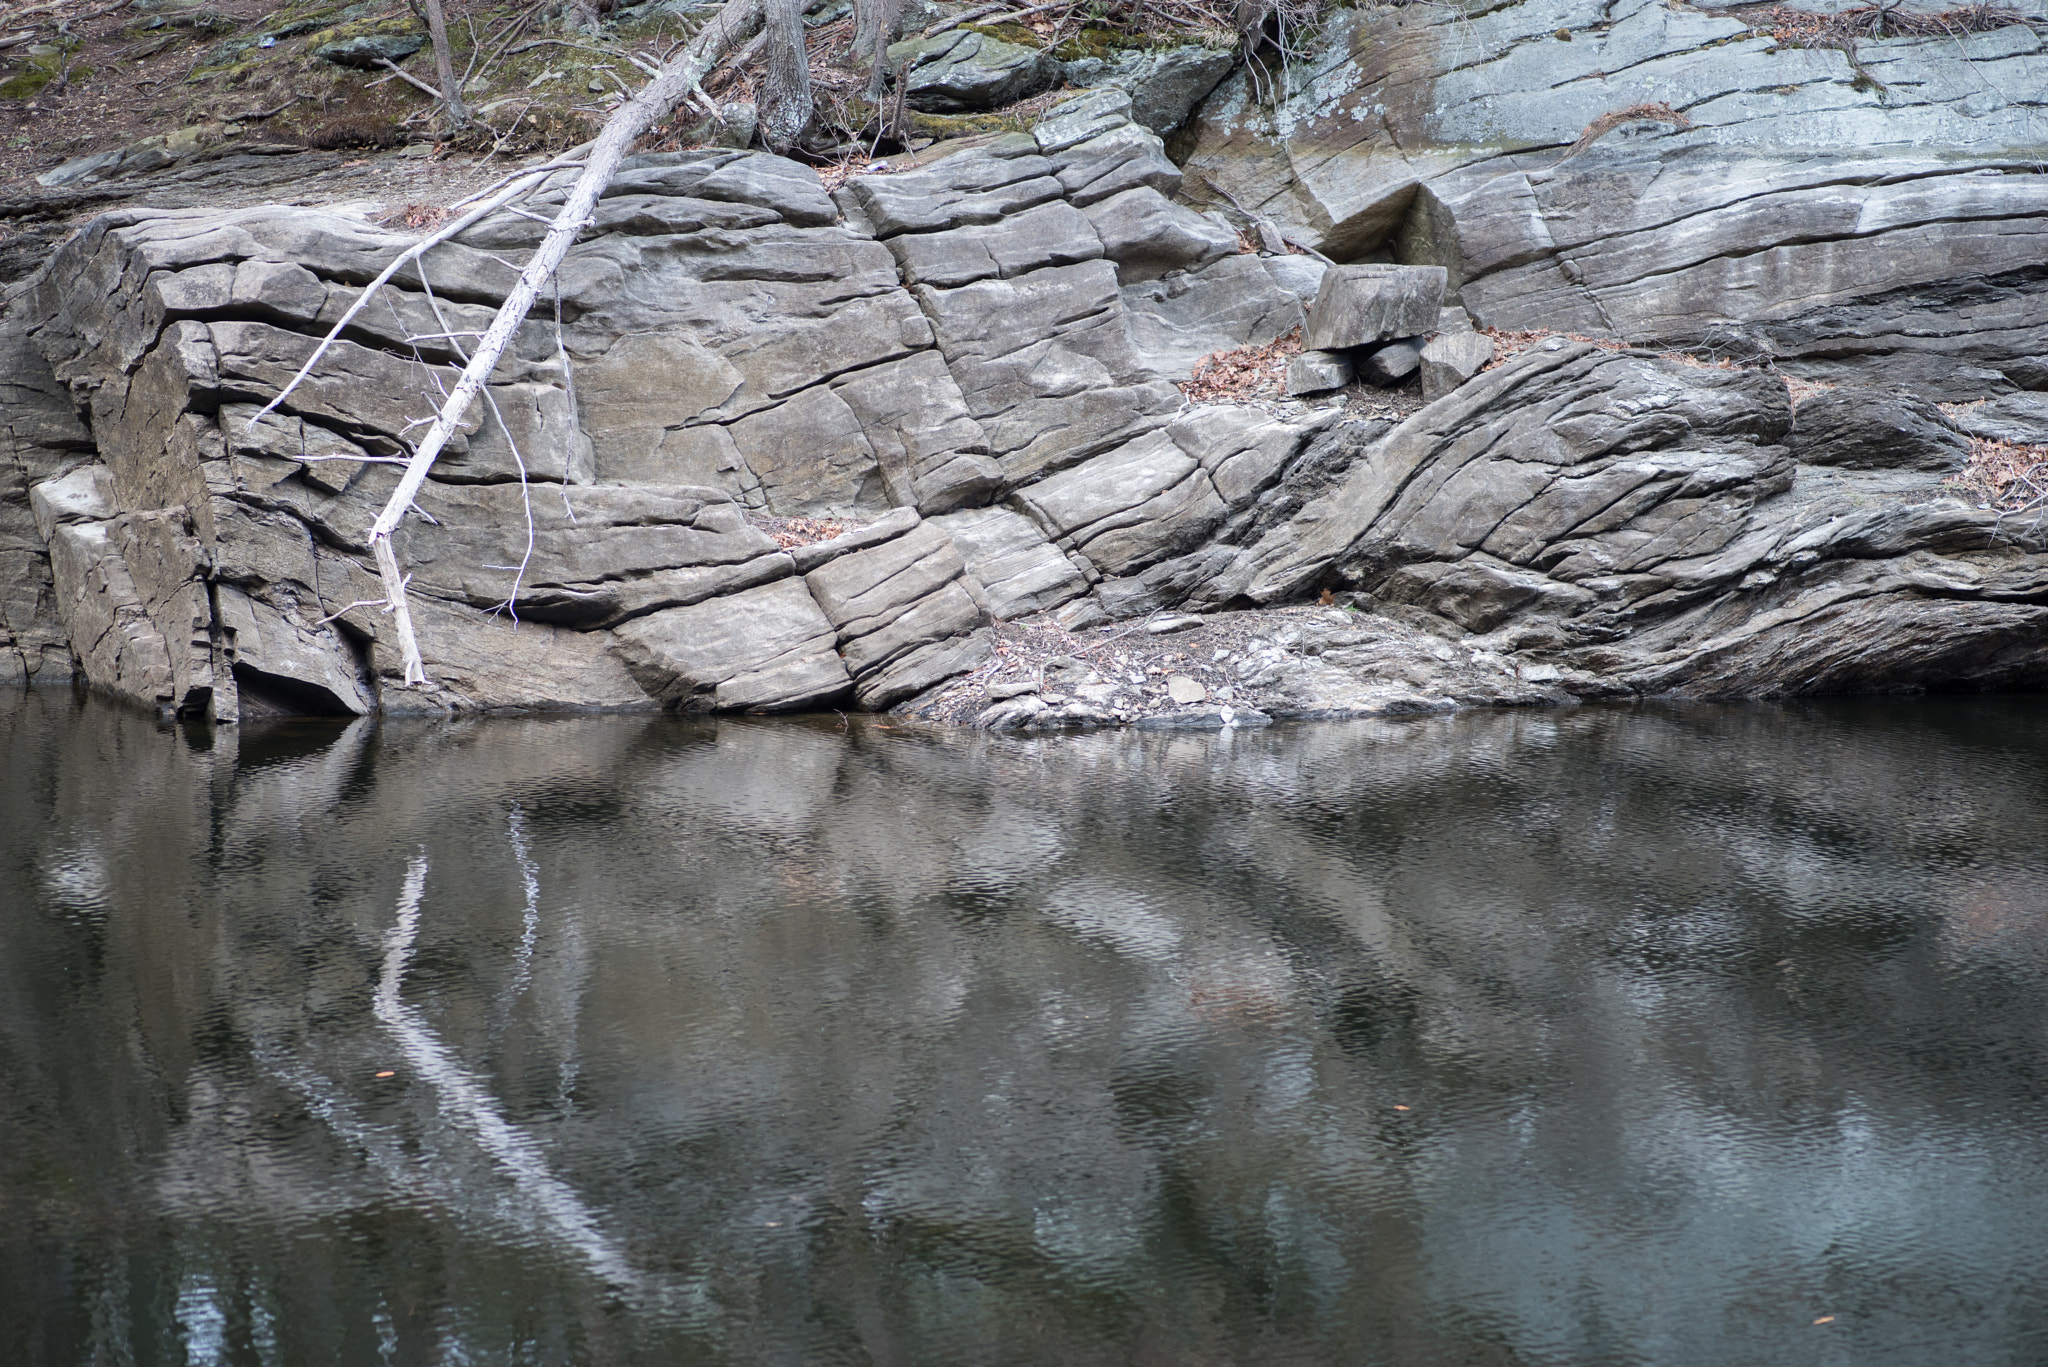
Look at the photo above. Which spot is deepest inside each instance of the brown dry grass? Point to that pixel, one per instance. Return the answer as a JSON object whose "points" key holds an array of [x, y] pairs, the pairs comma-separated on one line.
{"points": [[1802, 390], [2007, 475], [1246, 372], [1801, 28]]}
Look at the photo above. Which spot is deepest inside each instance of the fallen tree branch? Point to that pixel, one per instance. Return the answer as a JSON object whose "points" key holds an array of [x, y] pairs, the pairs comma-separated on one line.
{"points": [[410, 79], [990, 11], [258, 115], [515, 187], [653, 103]]}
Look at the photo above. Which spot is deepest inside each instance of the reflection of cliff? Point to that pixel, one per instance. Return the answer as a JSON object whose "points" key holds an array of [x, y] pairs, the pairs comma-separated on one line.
{"points": [[861, 1040]]}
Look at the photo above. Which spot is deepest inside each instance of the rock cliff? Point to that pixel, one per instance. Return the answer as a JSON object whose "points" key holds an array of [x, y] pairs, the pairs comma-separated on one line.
{"points": [[969, 367]]}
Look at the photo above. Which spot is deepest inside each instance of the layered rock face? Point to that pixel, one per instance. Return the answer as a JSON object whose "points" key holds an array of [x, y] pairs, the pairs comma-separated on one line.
{"points": [[972, 362], [943, 356], [1646, 525], [1874, 210]]}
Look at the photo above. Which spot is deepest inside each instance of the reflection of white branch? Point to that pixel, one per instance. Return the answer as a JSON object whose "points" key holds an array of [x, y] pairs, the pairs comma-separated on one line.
{"points": [[529, 874], [468, 1104]]}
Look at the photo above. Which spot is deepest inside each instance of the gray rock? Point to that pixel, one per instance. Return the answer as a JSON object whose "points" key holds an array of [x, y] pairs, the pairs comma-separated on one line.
{"points": [[1872, 429], [1045, 366], [970, 189], [1361, 305], [1148, 235], [886, 528], [1869, 228], [1013, 714], [370, 51], [963, 70], [1318, 372], [1300, 276], [767, 649], [2019, 418], [1451, 358], [1127, 508], [1085, 116], [1175, 321], [906, 614], [1082, 615], [1165, 626], [742, 121], [84, 495], [1183, 690], [1054, 234], [1121, 159], [1393, 362], [1020, 571], [1164, 84]]}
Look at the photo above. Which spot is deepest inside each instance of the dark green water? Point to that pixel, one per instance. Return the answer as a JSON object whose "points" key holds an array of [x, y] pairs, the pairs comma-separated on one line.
{"points": [[1605, 1036]]}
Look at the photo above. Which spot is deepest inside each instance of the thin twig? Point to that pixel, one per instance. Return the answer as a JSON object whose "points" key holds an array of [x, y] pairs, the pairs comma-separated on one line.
{"points": [[258, 115]]}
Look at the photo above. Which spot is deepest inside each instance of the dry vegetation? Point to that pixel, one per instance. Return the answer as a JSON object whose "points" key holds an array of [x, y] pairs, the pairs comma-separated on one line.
{"points": [[1802, 28], [801, 531], [1247, 372], [2005, 475], [1617, 118]]}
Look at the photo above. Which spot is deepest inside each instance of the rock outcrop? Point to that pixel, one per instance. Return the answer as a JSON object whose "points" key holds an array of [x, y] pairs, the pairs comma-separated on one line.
{"points": [[946, 347], [1868, 210], [969, 365]]}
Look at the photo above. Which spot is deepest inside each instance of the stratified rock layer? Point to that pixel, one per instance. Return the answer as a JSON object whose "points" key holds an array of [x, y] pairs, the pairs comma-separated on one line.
{"points": [[734, 344], [971, 364], [1869, 210]]}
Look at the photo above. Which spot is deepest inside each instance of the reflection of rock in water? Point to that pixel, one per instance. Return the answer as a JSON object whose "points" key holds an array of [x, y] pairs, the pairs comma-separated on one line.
{"points": [[869, 1025]]}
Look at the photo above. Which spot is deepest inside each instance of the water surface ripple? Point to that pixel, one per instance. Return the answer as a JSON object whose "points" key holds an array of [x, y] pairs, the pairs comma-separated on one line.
{"points": [[1660, 1035]]}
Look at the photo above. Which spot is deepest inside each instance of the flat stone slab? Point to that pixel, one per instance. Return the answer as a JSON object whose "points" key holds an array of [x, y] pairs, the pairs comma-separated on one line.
{"points": [[1361, 305]]}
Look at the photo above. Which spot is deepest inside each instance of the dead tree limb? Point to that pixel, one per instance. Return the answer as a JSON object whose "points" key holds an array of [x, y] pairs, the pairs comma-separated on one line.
{"points": [[654, 102]]}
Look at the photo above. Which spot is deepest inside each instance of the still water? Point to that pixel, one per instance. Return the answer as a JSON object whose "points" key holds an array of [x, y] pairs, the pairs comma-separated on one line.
{"points": [[1704, 1035]]}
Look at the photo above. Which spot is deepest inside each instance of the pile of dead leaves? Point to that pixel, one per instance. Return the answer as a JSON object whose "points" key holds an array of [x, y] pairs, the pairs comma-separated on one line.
{"points": [[800, 531], [418, 218], [2004, 474], [1247, 372]]}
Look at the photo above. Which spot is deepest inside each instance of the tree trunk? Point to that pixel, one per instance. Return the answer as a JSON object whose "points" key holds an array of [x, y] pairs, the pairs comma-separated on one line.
{"points": [[444, 65], [786, 88], [874, 27]]}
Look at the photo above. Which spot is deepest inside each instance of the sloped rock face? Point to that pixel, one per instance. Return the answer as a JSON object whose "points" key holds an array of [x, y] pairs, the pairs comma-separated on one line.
{"points": [[1878, 217], [733, 344], [1640, 525], [972, 363]]}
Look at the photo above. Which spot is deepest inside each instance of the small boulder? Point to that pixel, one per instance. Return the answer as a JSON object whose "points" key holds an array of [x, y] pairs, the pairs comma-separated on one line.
{"points": [[1451, 358], [2021, 418], [961, 71], [1318, 372], [1087, 115], [367, 52], [1361, 305], [1862, 428], [1165, 84], [1393, 363], [1184, 689]]}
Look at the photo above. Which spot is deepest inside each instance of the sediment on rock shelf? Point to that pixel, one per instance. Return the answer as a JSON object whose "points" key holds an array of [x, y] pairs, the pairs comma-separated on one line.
{"points": [[963, 374]]}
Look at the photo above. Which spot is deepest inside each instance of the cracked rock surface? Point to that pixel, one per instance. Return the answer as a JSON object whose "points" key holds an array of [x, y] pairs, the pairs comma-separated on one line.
{"points": [[964, 374], [1875, 217]]}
